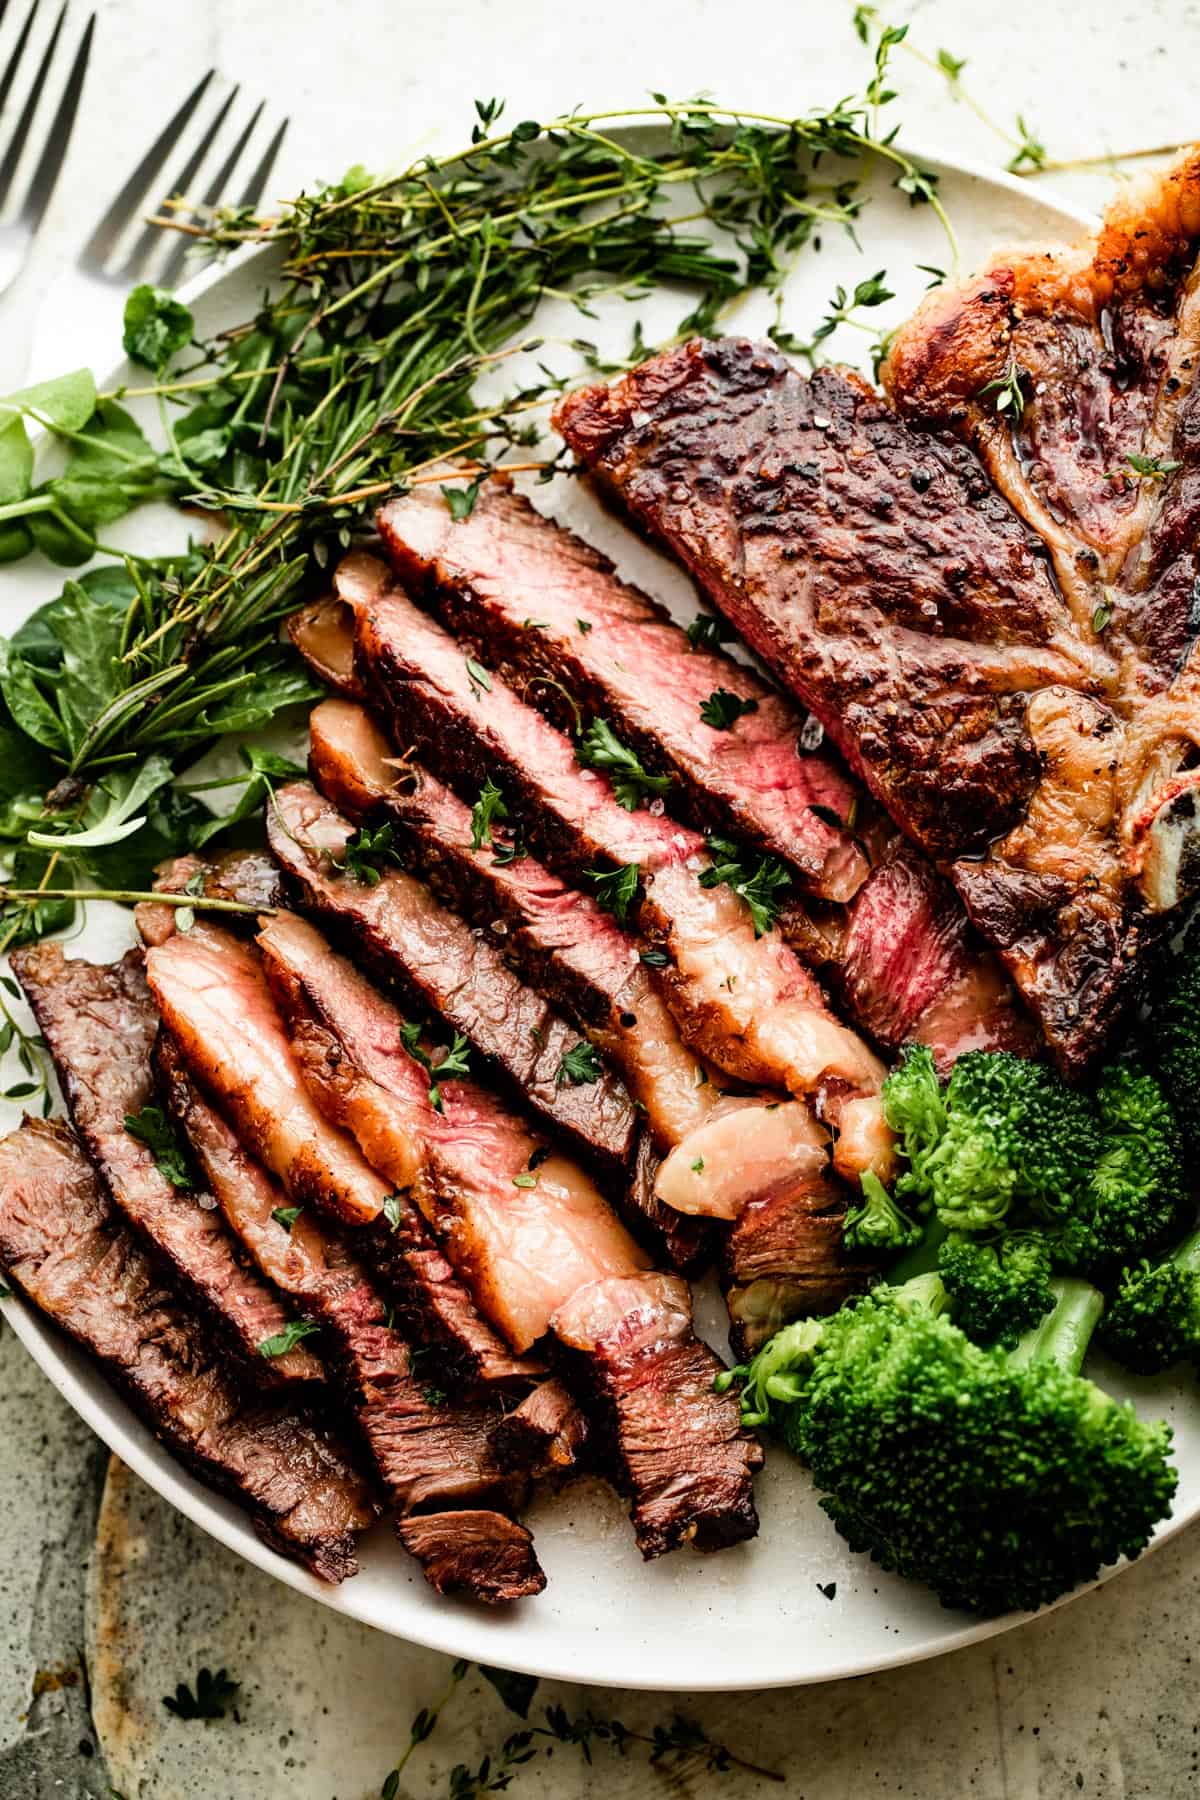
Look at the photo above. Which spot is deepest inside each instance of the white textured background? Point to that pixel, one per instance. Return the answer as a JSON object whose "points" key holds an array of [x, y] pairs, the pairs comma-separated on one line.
{"points": [[1099, 1700]]}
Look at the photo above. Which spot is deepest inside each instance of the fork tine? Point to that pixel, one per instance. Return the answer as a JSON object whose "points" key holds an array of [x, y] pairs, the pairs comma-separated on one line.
{"points": [[12, 155], [124, 207], [262, 174], [173, 267], [14, 61], [152, 235], [45, 175]]}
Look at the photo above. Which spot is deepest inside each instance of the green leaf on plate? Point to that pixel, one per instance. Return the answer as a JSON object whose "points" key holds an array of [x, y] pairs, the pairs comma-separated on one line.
{"points": [[16, 460], [157, 326]]}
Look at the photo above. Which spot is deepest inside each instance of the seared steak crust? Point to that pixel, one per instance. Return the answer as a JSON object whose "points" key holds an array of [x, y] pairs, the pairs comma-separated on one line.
{"points": [[100, 1023], [483, 1554], [68, 1250], [683, 1458], [783, 1259], [881, 575], [546, 1434]]}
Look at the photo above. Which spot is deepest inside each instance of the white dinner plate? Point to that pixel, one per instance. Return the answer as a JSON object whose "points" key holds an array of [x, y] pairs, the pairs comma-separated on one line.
{"points": [[794, 1605]]}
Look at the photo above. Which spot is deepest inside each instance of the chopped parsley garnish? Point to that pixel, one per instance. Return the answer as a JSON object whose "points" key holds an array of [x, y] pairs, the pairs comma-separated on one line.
{"points": [[579, 1066], [293, 1333], [489, 806], [152, 1127], [723, 709], [287, 1216], [213, 1694], [616, 889], [461, 500], [456, 1061], [708, 632], [601, 748], [1102, 617], [760, 886], [367, 854], [393, 1211], [584, 625], [524, 1181], [698, 1166], [656, 959], [479, 677]]}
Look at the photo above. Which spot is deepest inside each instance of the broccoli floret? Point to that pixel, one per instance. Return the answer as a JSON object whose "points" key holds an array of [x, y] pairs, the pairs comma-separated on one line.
{"points": [[877, 1223], [1173, 1036], [998, 1287], [1000, 1478], [1008, 1133], [1136, 1195], [1153, 1319]]}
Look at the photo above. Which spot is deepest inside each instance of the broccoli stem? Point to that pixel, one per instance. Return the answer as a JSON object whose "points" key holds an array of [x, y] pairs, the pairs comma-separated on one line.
{"points": [[922, 1259], [1063, 1335], [1186, 1254]]}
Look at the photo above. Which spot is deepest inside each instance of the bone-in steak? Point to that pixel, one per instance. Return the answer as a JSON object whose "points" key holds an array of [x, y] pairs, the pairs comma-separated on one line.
{"points": [[68, 1250], [887, 581]]}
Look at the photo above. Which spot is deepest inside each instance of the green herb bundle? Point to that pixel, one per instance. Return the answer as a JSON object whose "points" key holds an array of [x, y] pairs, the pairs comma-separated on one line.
{"points": [[357, 377]]}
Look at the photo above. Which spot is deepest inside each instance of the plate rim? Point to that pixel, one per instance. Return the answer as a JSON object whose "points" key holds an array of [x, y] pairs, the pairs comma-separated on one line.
{"points": [[450, 1627]]}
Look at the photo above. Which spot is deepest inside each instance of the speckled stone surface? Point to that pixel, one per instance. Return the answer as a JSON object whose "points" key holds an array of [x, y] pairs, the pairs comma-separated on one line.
{"points": [[108, 1598]]}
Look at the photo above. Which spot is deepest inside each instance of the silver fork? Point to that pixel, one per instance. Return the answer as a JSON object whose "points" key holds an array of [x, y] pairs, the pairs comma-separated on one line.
{"points": [[17, 231], [115, 253]]}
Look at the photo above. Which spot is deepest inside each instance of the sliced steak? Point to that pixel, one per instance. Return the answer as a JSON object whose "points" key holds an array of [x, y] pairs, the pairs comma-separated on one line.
{"points": [[407, 937], [482, 1554], [550, 614], [220, 1012], [564, 942], [910, 968], [546, 1434], [784, 1259], [99, 1022], [247, 877], [683, 1458], [69, 1251], [525, 1228], [743, 1000], [883, 578]]}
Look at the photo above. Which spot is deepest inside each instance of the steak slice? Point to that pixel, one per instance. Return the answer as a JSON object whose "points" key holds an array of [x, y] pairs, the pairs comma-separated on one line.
{"points": [[525, 1228], [784, 1259], [403, 933], [683, 1458], [248, 877], [99, 1023], [219, 1010], [882, 577], [546, 1434], [69, 1251], [482, 1554], [910, 968], [742, 1000], [519, 590]]}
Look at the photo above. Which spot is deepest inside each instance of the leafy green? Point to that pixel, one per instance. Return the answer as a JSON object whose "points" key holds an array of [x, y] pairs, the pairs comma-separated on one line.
{"points": [[456, 1061], [152, 1127], [281, 1342], [489, 806], [759, 884], [708, 631], [263, 769], [157, 326], [580, 1066], [616, 889], [368, 852], [286, 1216], [601, 748], [723, 709]]}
